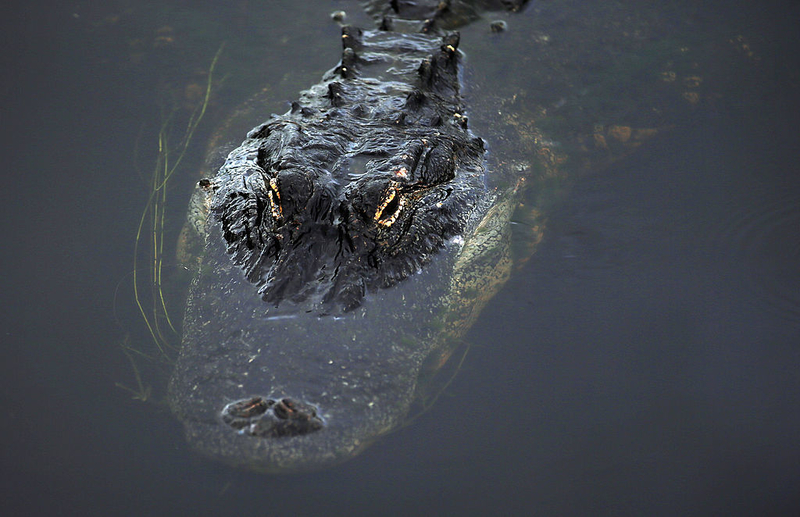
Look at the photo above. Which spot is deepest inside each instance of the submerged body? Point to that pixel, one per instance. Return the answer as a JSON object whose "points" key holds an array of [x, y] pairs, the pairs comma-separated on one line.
{"points": [[346, 246]]}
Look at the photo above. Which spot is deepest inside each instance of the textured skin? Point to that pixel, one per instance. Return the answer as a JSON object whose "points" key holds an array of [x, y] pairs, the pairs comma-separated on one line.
{"points": [[347, 245], [301, 202]]}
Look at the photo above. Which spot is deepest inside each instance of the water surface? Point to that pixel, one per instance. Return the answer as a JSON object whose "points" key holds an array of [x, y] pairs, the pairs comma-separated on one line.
{"points": [[643, 362]]}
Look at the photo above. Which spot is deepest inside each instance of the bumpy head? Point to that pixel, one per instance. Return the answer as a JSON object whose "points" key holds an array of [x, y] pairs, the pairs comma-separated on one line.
{"points": [[368, 177], [358, 185]]}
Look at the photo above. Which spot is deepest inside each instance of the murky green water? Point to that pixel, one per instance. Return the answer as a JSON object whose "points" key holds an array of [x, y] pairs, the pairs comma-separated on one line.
{"points": [[642, 362]]}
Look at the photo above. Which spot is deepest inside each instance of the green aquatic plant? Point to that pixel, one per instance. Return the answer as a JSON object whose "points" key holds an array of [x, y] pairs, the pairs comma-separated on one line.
{"points": [[142, 391], [151, 227], [148, 273]]}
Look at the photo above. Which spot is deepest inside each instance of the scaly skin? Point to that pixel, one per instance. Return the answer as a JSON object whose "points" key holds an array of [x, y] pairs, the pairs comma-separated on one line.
{"points": [[341, 249], [347, 245]]}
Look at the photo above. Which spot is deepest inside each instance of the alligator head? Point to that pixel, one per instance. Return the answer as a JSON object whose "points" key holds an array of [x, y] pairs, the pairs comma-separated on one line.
{"points": [[357, 186], [337, 262], [369, 212]]}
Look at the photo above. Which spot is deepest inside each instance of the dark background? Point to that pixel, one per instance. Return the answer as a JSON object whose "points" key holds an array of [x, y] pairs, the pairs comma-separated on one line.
{"points": [[644, 362]]}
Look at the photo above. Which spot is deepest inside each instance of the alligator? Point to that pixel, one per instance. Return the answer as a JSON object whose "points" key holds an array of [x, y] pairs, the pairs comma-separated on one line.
{"points": [[344, 248]]}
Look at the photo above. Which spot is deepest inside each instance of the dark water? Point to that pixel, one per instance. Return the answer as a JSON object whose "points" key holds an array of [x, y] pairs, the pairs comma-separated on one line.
{"points": [[644, 362]]}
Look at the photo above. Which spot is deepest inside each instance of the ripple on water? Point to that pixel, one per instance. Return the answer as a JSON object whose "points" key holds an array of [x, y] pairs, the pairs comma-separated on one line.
{"points": [[763, 234]]}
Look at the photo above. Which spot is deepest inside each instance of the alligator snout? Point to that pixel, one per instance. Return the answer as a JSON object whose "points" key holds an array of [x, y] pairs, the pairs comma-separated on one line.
{"points": [[269, 418]]}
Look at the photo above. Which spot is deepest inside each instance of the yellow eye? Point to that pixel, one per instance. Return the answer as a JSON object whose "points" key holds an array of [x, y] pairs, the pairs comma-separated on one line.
{"points": [[391, 206], [274, 196]]}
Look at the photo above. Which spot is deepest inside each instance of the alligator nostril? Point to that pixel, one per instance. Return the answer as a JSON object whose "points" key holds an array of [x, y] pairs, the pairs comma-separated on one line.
{"points": [[240, 414], [287, 408], [250, 407], [288, 417]]}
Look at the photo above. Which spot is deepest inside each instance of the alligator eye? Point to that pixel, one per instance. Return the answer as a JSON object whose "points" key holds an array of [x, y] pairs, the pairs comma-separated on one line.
{"points": [[391, 206], [274, 196]]}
